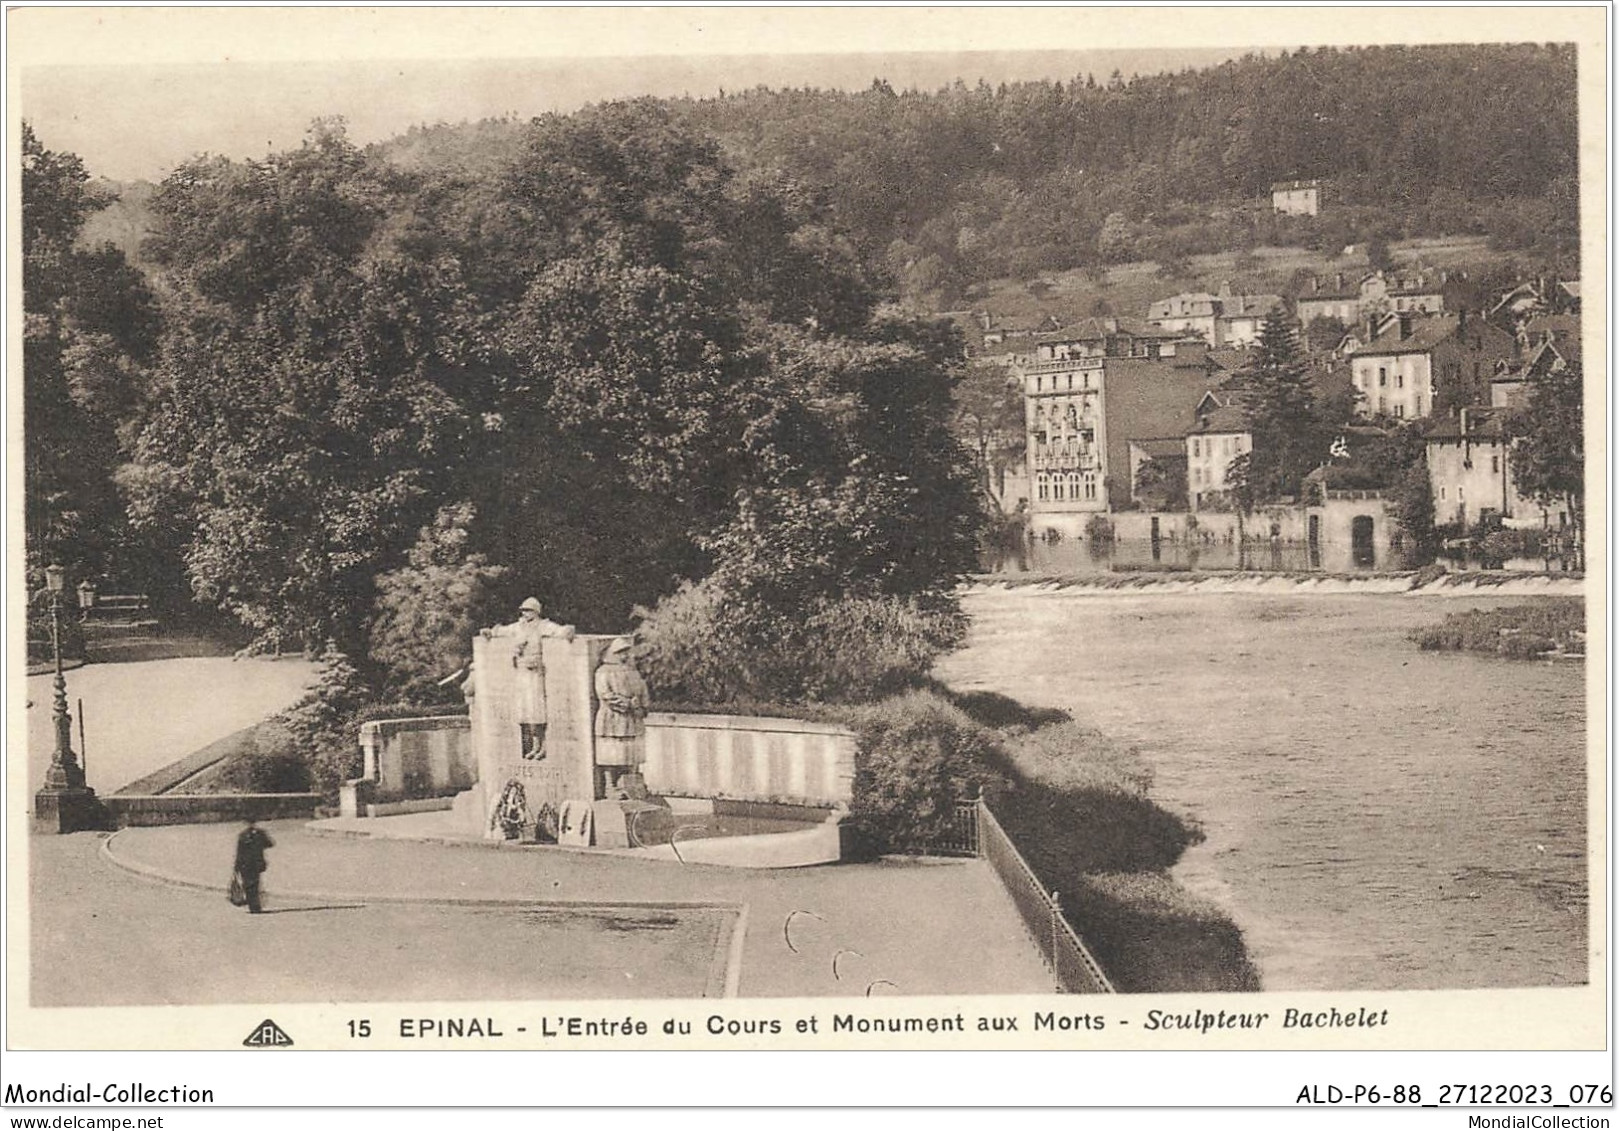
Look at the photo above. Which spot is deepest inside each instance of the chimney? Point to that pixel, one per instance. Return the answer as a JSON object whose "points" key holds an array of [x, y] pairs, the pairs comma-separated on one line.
{"points": [[1111, 325], [1404, 319], [1225, 288], [1338, 283]]}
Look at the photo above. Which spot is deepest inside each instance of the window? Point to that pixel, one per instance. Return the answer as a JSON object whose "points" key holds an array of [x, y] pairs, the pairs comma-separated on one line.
{"points": [[1197, 476], [1382, 405], [1382, 377], [1197, 450], [1070, 380], [1056, 489], [1044, 488], [1461, 492], [1442, 492], [1399, 410], [1495, 465], [1039, 384], [1399, 380]]}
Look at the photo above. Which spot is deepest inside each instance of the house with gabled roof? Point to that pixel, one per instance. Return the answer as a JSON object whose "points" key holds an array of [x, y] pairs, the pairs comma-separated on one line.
{"points": [[1223, 320], [1420, 366], [1372, 295], [1218, 435]]}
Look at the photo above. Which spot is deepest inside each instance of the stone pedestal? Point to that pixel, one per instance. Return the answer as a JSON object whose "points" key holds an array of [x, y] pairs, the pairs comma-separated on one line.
{"points": [[69, 809], [616, 823], [566, 769]]}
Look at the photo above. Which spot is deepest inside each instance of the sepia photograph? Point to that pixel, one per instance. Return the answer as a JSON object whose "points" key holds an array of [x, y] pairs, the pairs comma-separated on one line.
{"points": [[528, 548]]}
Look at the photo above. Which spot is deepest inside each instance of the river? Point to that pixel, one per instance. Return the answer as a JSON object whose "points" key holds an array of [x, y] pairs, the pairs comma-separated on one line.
{"points": [[1376, 817]]}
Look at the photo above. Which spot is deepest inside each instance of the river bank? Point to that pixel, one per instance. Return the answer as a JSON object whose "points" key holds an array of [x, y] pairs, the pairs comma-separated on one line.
{"points": [[1374, 816]]}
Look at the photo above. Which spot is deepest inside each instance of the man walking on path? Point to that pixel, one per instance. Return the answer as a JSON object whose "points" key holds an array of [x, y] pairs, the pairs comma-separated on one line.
{"points": [[250, 864]]}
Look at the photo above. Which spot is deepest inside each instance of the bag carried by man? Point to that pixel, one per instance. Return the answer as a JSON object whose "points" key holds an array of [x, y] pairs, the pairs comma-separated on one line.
{"points": [[238, 894]]}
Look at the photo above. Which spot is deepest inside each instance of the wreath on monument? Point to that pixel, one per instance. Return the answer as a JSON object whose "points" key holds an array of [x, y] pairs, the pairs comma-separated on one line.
{"points": [[511, 811]]}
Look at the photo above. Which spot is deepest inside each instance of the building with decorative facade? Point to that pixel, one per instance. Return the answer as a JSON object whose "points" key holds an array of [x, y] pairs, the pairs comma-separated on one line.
{"points": [[1090, 392]]}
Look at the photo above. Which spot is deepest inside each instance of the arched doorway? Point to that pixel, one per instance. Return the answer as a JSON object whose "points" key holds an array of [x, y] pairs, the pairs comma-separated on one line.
{"points": [[1360, 540]]}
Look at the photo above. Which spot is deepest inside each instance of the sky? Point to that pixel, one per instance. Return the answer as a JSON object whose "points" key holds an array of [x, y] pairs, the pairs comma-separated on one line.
{"points": [[137, 89], [138, 121]]}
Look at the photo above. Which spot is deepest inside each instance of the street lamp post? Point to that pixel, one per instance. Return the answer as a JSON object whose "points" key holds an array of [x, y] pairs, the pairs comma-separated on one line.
{"points": [[65, 804]]}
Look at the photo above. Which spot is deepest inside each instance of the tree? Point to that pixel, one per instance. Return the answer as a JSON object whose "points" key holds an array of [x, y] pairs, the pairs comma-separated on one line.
{"points": [[1378, 257], [1290, 438], [989, 420], [1548, 449], [1161, 483], [1414, 512], [1116, 241], [635, 370], [429, 609], [1325, 332], [89, 326], [312, 393]]}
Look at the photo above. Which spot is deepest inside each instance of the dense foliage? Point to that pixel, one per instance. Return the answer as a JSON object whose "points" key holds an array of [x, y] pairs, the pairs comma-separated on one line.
{"points": [[919, 755], [1548, 459], [971, 183], [620, 364], [89, 324], [701, 646], [1291, 434], [1517, 631]]}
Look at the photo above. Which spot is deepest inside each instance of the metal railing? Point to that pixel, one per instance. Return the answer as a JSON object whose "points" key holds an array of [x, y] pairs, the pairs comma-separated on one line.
{"points": [[961, 835], [1076, 971]]}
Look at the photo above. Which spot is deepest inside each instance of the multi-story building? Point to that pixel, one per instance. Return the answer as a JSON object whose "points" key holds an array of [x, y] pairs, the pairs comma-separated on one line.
{"points": [[1422, 366], [1296, 198], [1370, 297], [1224, 319], [1218, 437], [1091, 391], [1470, 470]]}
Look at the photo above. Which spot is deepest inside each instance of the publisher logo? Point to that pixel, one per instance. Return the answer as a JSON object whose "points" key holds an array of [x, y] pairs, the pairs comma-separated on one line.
{"points": [[267, 1035]]}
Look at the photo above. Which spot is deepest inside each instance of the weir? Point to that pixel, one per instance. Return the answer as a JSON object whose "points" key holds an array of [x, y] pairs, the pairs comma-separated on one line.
{"points": [[1286, 584]]}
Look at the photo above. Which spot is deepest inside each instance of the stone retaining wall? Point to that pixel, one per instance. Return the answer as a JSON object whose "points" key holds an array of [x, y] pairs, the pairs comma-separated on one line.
{"points": [[407, 759], [126, 810]]}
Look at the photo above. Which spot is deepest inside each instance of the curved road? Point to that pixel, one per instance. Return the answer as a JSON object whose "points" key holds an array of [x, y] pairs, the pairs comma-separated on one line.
{"points": [[140, 717]]}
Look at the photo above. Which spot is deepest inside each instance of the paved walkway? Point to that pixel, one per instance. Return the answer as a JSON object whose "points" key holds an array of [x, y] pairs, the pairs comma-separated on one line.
{"points": [[100, 936], [926, 926], [140, 717]]}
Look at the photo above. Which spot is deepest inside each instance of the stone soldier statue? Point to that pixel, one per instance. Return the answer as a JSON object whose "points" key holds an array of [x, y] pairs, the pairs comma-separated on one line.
{"points": [[621, 718], [530, 629]]}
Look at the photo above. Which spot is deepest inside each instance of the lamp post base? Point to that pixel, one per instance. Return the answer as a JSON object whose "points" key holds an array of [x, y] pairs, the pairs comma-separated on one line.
{"points": [[70, 809]]}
